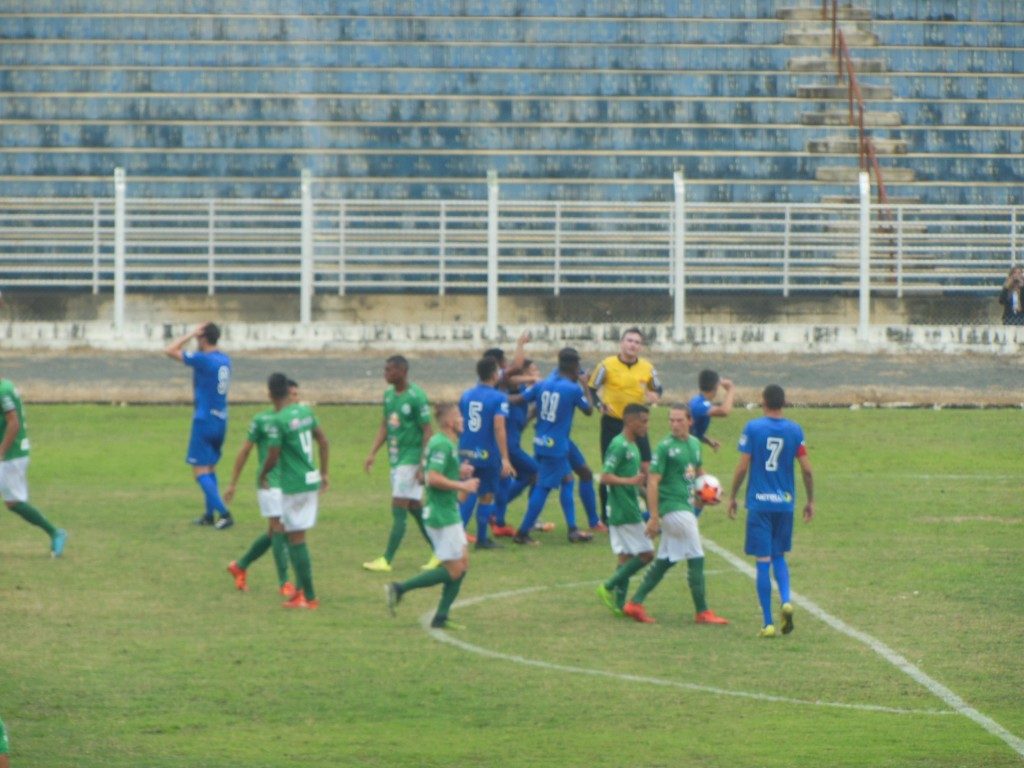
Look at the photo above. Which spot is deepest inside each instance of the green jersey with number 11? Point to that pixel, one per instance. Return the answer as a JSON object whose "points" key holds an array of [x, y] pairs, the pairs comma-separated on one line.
{"points": [[292, 430]]}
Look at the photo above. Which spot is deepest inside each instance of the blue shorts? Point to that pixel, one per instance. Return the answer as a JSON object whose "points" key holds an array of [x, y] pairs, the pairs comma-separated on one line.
{"points": [[490, 478], [576, 460], [769, 533], [523, 463], [553, 470], [205, 442]]}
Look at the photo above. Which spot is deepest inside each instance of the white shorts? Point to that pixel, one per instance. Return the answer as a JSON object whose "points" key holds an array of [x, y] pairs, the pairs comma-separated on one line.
{"points": [[680, 537], [629, 539], [270, 501], [404, 484], [14, 479], [298, 510], [449, 542]]}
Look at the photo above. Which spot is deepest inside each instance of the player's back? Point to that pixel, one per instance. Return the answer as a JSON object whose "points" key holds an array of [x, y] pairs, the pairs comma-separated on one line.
{"points": [[295, 424], [773, 444], [557, 399], [700, 411], [518, 415], [211, 377], [479, 405]]}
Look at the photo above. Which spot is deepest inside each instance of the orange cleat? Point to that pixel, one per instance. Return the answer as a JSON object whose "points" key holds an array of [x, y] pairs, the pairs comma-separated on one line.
{"points": [[313, 604], [544, 527], [599, 528], [636, 612], [503, 530], [239, 574], [470, 538], [298, 601], [287, 590], [710, 617]]}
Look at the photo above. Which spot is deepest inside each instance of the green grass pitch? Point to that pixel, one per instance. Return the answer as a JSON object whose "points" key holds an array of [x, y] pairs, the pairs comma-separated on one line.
{"points": [[136, 650]]}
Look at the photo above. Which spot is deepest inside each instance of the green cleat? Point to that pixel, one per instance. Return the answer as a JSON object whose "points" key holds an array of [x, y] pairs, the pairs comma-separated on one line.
{"points": [[787, 618], [767, 631], [609, 600], [443, 622]]}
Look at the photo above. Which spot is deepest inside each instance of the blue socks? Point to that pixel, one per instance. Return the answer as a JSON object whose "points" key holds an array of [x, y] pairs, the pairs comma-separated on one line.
{"points": [[518, 485], [567, 499], [764, 590], [533, 509], [483, 518], [781, 570], [589, 499], [208, 484], [466, 509]]}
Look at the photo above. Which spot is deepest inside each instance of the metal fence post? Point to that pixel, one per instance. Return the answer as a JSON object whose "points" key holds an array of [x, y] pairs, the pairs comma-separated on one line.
{"points": [[679, 258], [558, 249], [785, 253], [865, 258], [306, 253], [211, 224], [119, 249], [899, 252], [492, 254], [341, 247], [442, 245], [1013, 237], [95, 247]]}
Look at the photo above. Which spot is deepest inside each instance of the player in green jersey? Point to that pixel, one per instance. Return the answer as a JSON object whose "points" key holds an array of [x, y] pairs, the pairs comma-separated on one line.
{"points": [[624, 477], [447, 478], [14, 451], [674, 467], [406, 429], [5, 748], [269, 501], [290, 443]]}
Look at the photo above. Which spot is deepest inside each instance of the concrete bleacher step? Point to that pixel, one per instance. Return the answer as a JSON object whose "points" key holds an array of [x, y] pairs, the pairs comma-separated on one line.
{"points": [[848, 174], [828, 64], [838, 145], [854, 200], [883, 230], [844, 13], [872, 119], [837, 92], [815, 38]]}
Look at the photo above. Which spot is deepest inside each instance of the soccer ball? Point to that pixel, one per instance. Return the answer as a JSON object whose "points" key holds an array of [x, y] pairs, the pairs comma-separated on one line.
{"points": [[707, 489]]}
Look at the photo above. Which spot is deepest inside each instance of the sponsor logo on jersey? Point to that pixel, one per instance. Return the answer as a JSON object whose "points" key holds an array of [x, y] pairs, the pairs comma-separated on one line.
{"points": [[774, 498]]}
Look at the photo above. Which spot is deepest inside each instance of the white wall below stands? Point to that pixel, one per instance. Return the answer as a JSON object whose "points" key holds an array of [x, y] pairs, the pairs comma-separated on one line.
{"points": [[735, 338]]}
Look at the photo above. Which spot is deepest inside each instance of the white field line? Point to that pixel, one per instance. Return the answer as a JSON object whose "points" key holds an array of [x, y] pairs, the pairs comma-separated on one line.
{"points": [[450, 639], [938, 689]]}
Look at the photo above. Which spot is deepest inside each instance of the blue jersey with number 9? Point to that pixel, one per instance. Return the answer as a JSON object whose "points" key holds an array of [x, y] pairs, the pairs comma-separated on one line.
{"points": [[211, 377]]}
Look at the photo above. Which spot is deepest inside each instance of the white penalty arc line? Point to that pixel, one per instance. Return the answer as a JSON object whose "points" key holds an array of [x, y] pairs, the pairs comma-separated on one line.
{"points": [[447, 637], [951, 699]]}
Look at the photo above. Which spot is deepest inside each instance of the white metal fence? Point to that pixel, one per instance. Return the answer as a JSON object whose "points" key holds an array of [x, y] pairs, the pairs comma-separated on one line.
{"points": [[309, 245]]}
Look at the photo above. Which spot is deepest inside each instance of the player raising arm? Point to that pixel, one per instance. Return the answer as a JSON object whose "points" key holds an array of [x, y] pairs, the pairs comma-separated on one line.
{"points": [[768, 447], [703, 408]]}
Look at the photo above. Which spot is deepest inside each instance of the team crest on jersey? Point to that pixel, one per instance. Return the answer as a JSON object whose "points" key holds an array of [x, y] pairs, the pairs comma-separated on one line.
{"points": [[394, 421], [406, 409], [691, 472]]}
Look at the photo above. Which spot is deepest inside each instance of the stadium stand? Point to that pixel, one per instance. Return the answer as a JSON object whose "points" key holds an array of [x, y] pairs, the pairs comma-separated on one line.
{"points": [[576, 99]]}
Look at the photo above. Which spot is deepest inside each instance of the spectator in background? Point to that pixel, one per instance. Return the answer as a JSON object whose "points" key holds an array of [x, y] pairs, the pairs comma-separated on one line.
{"points": [[1012, 297]]}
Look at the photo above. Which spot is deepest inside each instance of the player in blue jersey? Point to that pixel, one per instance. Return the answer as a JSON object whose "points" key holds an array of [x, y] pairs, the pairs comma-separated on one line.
{"points": [[484, 444], [516, 381], [556, 398], [211, 377], [703, 408], [768, 447]]}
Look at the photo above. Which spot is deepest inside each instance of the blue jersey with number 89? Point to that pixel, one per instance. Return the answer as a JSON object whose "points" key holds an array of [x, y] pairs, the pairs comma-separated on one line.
{"points": [[211, 376]]}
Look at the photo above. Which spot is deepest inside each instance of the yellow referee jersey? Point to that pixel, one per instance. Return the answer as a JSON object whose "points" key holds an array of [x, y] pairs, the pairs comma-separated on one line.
{"points": [[620, 384]]}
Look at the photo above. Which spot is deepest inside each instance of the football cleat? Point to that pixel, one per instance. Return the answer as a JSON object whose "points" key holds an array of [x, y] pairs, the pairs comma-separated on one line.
{"points": [[487, 544], [380, 565], [287, 590], [204, 520], [443, 622], [431, 564], [636, 612], [503, 530], [60, 537], [524, 538], [710, 617], [224, 523], [767, 631], [393, 592], [608, 599], [298, 600], [599, 528], [470, 538], [313, 604], [239, 574], [577, 536], [544, 527], [787, 618]]}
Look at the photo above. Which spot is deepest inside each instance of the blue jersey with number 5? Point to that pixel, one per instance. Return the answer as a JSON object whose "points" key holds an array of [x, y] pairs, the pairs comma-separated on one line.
{"points": [[773, 445], [478, 443], [556, 399], [211, 376]]}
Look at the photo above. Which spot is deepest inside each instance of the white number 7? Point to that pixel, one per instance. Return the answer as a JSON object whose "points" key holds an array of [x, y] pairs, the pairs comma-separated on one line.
{"points": [[774, 449]]}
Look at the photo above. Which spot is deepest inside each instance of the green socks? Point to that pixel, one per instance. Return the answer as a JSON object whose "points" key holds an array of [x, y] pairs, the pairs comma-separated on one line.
{"points": [[279, 542], [695, 578], [299, 554], [621, 591], [652, 578], [448, 595], [417, 515], [397, 533], [429, 578], [30, 514], [261, 545], [624, 571]]}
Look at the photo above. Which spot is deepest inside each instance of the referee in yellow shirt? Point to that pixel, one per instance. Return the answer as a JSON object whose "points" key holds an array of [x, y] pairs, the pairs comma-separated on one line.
{"points": [[618, 381]]}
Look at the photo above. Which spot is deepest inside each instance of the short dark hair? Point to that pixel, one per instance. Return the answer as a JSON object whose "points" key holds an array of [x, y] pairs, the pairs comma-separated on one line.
{"points": [[486, 367], [211, 333], [398, 360], [568, 360], [277, 383], [293, 383], [632, 329], [707, 380], [685, 407], [442, 408], [497, 353], [774, 397], [634, 409]]}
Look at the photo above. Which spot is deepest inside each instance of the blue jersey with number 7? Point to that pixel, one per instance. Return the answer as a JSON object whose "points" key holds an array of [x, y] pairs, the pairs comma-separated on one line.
{"points": [[478, 444], [773, 444], [556, 399]]}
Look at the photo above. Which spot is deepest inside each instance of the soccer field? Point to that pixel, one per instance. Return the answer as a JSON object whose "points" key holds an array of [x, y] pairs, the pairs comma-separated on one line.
{"points": [[136, 650]]}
